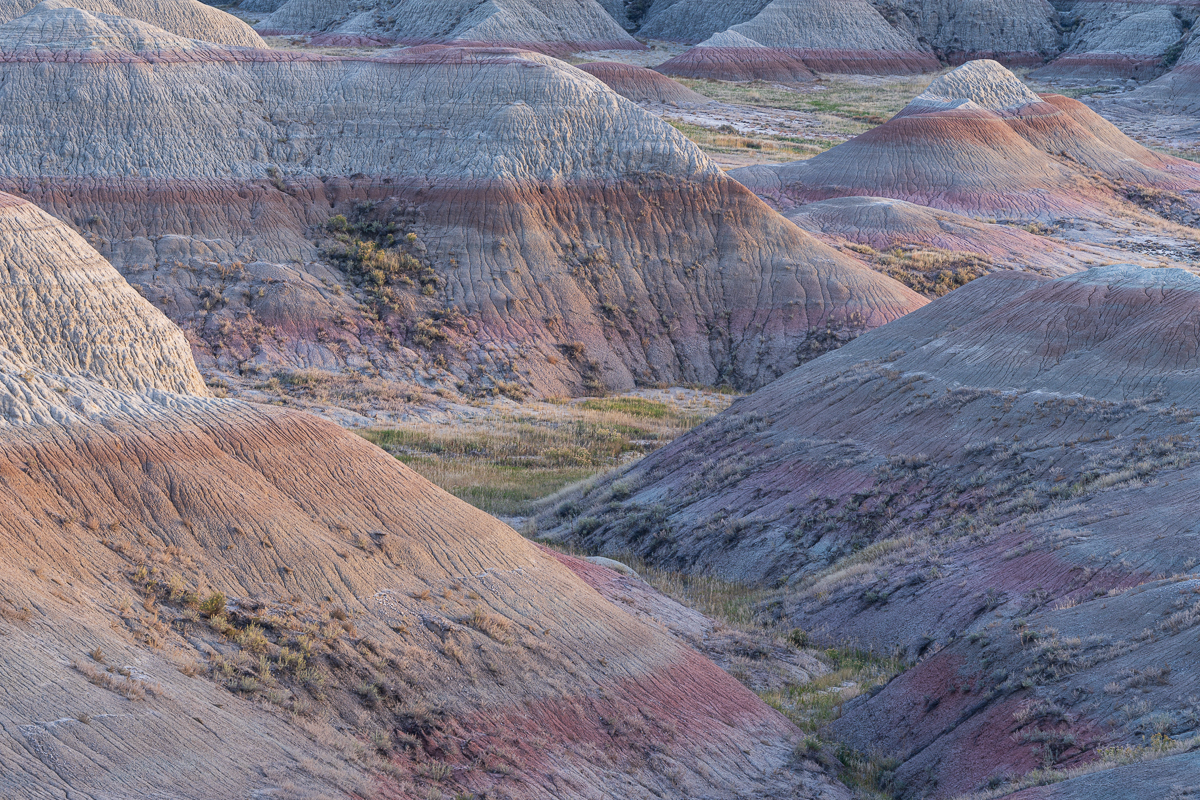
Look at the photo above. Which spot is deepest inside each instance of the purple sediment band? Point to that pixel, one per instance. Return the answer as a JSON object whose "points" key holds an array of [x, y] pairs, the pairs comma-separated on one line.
{"points": [[792, 64], [1022, 58], [1103, 65]]}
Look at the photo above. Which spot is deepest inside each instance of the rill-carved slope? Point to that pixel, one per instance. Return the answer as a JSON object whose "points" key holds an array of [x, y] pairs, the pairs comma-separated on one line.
{"points": [[977, 488], [542, 230], [373, 635], [978, 142]]}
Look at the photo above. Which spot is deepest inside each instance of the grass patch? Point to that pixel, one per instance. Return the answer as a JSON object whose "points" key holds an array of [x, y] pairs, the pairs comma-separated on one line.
{"points": [[859, 102], [726, 140], [852, 672], [930, 271], [507, 463]]}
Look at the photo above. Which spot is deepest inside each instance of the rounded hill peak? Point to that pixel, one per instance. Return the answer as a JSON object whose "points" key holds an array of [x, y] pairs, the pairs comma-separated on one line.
{"points": [[981, 84]]}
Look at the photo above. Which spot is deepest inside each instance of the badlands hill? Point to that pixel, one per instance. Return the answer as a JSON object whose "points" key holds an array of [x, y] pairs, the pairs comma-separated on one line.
{"points": [[942, 247], [837, 36], [485, 217], [188, 18], [978, 142], [1013, 32], [201, 600], [1121, 41], [1177, 92], [999, 487], [542, 25], [643, 85]]}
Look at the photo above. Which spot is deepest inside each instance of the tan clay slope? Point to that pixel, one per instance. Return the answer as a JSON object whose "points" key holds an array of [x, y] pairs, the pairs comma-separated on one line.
{"points": [[190, 19], [643, 85], [543, 25], [340, 568], [978, 142], [980, 478], [572, 239], [886, 225], [78, 317]]}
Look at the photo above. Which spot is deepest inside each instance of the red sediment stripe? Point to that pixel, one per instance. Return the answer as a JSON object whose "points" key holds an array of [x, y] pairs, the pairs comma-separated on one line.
{"points": [[869, 62], [738, 64], [1022, 58], [791, 64], [1103, 65], [8, 201], [206, 55]]}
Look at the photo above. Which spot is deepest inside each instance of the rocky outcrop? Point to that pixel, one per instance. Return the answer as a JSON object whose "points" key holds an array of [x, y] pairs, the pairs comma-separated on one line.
{"points": [[541, 25], [840, 36], [730, 56], [1014, 33], [979, 142], [193, 580], [1177, 92], [474, 217], [643, 85], [1118, 41], [190, 19], [997, 488], [694, 21]]}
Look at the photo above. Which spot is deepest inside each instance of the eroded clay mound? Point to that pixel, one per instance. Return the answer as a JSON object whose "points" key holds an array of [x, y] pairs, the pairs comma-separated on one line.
{"points": [[1121, 41], [187, 18], [1014, 32], [884, 224], [69, 313], [420, 623], [1179, 90], [983, 479], [539, 229], [839, 36], [693, 21], [730, 56], [543, 25], [642, 85], [979, 142]]}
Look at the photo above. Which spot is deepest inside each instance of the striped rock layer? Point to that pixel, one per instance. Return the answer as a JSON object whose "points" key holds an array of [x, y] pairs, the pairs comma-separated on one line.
{"points": [[1120, 41], [480, 652], [642, 85], [548, 27], [978, 488], [1178, 91], [977, 142], [190, 19], [840, 36], [579, 238], [884, 224]]}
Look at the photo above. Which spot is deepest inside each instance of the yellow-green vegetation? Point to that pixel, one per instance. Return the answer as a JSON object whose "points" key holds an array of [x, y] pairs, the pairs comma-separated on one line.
{"points": [[1186, 151], [1151, 749], [857, 102], [852, 671], [506, 463], [725, 140], [930, 271]]}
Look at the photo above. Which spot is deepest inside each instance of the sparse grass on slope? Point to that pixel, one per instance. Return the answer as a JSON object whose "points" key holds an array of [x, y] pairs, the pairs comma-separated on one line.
{"points": [[859, 102], [506, 463], [930, 271], [726, 140]]}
